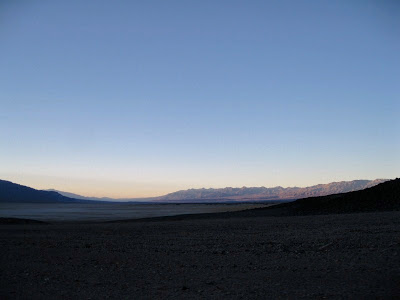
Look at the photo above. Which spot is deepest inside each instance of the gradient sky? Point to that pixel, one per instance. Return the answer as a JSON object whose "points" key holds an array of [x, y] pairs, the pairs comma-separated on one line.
{"points": [[141, 98]]}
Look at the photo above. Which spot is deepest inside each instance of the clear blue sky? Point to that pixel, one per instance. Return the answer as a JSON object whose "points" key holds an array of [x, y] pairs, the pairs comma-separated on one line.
{"points": [[141, 98]]}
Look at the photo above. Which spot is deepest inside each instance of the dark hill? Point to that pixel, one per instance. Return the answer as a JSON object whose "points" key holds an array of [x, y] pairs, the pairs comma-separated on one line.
{"points": [[8, 221], [15, 193], [384, 196]]}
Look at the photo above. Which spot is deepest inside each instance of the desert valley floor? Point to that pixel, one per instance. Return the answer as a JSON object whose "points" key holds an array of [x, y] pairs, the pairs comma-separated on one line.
{"points": [[224, 256]]}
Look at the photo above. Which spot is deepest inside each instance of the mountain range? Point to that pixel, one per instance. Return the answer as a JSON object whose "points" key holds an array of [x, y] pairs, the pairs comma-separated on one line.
{"points": [[381, 197], [230, 194], [11, 192], [268, 194]]}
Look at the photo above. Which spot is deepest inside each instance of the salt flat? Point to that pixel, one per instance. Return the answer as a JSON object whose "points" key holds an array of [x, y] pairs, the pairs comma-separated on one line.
{"points": [[97, 212]]}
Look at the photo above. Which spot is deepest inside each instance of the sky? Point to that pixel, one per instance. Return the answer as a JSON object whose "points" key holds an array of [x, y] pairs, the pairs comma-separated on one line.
{"points": [[143, 98]]}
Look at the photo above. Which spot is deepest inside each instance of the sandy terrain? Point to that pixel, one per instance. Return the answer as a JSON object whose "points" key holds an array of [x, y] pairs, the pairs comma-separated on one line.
{"points": [[334, 256]]}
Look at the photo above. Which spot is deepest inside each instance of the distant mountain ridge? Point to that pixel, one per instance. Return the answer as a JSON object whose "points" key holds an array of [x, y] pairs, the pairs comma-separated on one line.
{"points": [[247, 193], [102, 199], [76, 196], [381, 197], [384, 196], [12, 192], [274, 193]]}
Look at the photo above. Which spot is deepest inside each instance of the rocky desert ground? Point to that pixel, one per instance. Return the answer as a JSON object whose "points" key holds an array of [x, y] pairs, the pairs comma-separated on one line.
{"points": [[225, 256]]}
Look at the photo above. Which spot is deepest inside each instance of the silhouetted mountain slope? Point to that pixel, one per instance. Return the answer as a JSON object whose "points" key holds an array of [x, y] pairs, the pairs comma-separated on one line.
{"points": [[275, 193], [12, 192], [103, 199], [80, 197], [382, 197]]}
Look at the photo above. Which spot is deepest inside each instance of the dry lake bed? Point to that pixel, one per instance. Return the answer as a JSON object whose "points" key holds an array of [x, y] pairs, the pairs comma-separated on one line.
{"points": [[97, 212]]}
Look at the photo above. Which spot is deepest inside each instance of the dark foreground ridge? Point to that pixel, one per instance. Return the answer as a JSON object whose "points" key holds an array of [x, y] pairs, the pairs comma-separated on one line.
{"points": [[383, 197], [8, 221]]}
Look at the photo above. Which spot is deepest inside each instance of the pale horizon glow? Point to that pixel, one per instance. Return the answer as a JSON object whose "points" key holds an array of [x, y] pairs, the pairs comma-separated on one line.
{"points": [[110, 189], [134, 99]]}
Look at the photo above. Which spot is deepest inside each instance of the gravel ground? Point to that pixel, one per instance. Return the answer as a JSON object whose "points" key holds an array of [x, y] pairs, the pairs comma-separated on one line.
{"points": [[334, 256]]}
